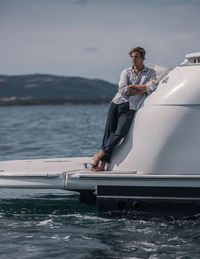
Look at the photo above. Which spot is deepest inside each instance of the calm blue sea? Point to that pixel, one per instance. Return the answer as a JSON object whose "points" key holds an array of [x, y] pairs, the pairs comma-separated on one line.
{"points": [[47, 224]]}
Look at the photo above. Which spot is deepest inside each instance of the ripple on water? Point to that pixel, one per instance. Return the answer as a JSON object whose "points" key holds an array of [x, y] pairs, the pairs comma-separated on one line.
{"points": [[85, 234]]}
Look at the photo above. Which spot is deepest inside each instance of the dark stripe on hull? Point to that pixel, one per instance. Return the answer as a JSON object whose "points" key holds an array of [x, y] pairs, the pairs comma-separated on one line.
{"points": [[134, 201], [148, 191]]}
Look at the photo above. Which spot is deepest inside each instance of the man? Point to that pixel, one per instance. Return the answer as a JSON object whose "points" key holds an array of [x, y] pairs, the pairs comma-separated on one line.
{"points": [[135, 84]]}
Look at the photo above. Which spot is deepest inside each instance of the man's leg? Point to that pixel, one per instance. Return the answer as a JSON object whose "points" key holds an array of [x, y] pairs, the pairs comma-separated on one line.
{"points": [[123, 125], [111, 125], [124, 122]]}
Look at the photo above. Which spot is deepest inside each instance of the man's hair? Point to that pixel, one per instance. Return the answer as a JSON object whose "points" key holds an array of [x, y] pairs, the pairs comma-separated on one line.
{"points": [[140, 50]]}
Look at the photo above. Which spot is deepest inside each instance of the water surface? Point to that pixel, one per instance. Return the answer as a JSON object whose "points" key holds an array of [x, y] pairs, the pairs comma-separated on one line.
{"points": [[47, 224]]}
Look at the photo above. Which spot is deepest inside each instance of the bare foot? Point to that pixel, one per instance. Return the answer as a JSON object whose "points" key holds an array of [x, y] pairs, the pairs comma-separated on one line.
{"points": [[101, 167], [96, 160], [97, 157]]}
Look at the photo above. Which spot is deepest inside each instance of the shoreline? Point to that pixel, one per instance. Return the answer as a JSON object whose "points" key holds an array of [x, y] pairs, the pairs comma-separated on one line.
{"points": [[62, 101]]}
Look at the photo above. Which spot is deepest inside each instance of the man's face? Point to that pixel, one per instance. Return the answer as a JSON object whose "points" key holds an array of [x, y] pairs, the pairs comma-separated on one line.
{"points": [[136, 59]]}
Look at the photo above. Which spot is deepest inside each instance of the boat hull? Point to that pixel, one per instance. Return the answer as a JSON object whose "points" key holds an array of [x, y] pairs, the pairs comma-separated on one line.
{"points": [[115, 193], [142, 201]]}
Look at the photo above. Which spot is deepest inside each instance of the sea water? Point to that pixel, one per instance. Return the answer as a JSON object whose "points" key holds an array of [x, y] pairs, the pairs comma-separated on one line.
{"points": [[47, 224]]}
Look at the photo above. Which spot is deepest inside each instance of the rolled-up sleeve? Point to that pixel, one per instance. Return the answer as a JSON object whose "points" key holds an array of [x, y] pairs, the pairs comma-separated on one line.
{"points": [[151, 84], [123, 88]]}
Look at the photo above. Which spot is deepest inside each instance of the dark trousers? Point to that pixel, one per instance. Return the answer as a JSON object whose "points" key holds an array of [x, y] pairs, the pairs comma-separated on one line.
{"points": [[118, 123]]}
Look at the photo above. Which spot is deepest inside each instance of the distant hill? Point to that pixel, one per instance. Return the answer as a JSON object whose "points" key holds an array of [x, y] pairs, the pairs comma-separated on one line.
{"points": [[51, 89]]}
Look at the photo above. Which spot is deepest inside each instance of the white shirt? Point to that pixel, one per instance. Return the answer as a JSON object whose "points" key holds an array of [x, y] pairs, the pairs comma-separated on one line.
{"points": [[128, 76]]}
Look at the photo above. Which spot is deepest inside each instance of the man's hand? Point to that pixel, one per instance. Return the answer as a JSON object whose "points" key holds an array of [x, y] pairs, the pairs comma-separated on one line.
{"points": [[134, 91], [137, 89]]}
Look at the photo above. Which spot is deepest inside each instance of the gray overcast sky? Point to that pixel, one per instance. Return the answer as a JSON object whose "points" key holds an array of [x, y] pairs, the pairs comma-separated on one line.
{"points": [[91, 38]]}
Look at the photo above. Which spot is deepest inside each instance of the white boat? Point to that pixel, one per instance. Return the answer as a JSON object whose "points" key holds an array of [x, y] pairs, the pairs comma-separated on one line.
{"points": [[154, 171]]}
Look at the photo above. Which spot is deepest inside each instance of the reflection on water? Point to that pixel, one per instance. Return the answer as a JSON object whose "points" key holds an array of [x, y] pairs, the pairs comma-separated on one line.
{"points": [[56, 204]]}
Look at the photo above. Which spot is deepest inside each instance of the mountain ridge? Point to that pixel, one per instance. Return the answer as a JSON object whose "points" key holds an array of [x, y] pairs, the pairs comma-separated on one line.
{"points": [[53, 89]]}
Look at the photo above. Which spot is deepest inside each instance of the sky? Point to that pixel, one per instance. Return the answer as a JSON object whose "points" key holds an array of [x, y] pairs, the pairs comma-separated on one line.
{"points": [[92, 38]]}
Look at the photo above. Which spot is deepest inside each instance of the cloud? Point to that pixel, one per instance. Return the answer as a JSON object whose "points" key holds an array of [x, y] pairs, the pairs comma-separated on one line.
{"points": [[61, 36], [82, 2], [186, 37], [90, 49]]}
